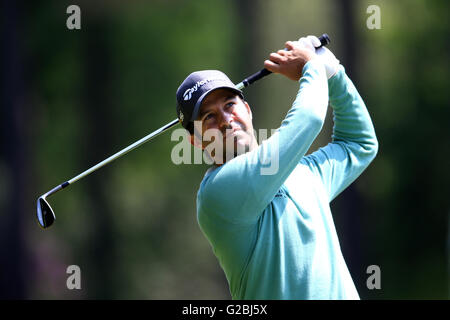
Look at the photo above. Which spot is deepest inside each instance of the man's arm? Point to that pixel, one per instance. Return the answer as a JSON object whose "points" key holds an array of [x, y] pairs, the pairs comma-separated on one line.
{"points": [[354, 144], [238, 191]]}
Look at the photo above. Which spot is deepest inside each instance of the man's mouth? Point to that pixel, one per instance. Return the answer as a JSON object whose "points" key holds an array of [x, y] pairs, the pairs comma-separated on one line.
{"points": [[232, 132]]}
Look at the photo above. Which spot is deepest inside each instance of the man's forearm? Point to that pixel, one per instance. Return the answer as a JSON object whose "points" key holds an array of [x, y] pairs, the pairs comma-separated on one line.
{"points": [[354, 143], [352, 121]]}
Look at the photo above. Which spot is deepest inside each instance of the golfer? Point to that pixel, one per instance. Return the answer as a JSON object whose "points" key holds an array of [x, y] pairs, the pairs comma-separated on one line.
{"points": [[273, 234]]}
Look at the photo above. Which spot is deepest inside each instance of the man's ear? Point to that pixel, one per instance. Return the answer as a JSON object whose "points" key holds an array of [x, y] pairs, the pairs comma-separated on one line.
{"points": [[195, 141], [249, 110]]}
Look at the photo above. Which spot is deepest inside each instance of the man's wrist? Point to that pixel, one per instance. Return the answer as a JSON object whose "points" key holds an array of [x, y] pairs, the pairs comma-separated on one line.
{"points": [[314, 63], [335, 77], [339, 67]]}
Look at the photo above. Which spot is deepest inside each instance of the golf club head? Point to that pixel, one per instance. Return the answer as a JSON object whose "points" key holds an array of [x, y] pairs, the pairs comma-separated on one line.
{"points": [[45, 213]]}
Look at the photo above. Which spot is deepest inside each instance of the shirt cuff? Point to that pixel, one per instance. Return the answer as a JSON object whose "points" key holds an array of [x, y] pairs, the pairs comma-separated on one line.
{"points": [[314, 64]]}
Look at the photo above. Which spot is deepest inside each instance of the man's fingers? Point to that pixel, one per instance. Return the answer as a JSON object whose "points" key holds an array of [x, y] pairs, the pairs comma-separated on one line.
{"points": [[271, 66], [289, 45], [275, 57]]}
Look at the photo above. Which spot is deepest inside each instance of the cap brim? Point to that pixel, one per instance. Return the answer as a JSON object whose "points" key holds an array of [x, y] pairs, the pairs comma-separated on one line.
{"points": [[203, 96]]}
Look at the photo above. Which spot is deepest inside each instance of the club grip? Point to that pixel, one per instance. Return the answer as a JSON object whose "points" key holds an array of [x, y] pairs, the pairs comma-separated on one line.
{"points": [[324, 40]]}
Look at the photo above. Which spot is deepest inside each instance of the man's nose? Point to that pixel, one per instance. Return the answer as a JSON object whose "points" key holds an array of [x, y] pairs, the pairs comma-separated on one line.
{"points": [[225, 120]]}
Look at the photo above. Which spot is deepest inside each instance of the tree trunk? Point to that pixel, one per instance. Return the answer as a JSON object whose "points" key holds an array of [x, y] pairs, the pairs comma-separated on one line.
{"points": [[348, 207], [97, 67], [14, 156]]}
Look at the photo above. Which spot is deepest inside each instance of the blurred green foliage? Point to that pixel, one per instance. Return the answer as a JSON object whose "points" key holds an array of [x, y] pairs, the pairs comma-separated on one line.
{"points": [[131, 227]]}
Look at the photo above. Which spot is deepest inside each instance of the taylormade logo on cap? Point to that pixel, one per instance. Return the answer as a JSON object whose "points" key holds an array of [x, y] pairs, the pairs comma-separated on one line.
{"points": [[187, 95]]}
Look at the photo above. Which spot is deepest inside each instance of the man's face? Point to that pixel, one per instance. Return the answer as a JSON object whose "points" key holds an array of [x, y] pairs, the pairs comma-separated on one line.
{"points": [[225, 115]]}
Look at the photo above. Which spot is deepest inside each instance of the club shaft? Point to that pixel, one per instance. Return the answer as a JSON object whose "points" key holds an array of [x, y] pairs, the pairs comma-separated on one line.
{"points": [[55, 189], [123, 151]]}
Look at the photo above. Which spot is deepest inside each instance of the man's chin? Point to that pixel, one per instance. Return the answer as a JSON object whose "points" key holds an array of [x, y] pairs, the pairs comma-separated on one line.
{"points": [[233, 146], [239, 149]]}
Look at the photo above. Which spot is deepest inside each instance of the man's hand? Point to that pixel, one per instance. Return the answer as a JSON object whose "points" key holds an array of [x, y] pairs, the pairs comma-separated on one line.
{"points": [[290, 62], [326, 56]]}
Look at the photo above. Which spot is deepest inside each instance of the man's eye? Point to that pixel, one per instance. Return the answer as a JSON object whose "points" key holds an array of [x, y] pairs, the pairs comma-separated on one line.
{"points": [[208, 116], [229, 104]]}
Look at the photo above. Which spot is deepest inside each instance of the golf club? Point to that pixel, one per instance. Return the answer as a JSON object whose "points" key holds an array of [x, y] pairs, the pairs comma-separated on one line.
{"points": [[45, 213]]}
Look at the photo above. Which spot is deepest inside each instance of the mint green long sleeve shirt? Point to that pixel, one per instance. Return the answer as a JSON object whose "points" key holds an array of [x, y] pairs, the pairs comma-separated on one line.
{"points": [[273, 234]]}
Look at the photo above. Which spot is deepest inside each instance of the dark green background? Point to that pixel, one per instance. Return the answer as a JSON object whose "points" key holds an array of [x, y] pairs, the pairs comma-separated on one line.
{"points": [[72, 98]]}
